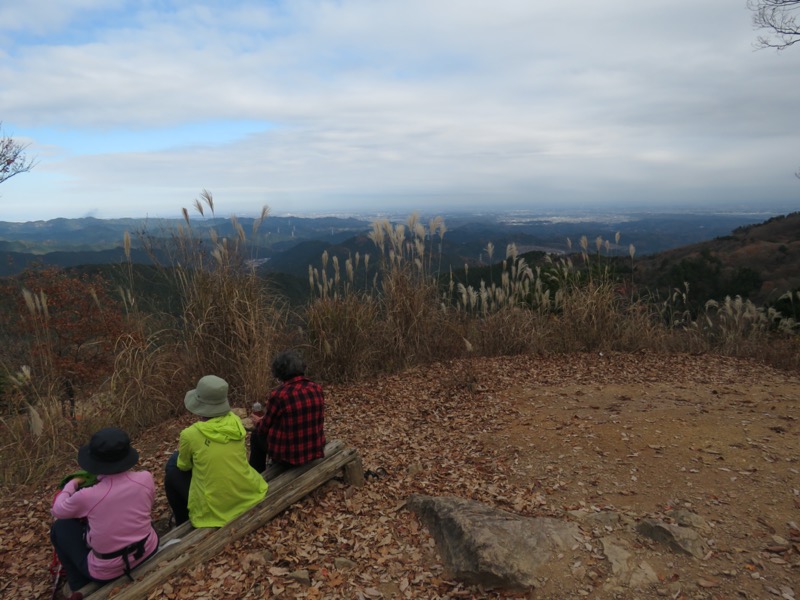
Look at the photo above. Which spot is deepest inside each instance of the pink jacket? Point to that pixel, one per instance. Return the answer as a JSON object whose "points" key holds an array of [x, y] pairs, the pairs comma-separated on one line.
{"points": [[118, 509]]}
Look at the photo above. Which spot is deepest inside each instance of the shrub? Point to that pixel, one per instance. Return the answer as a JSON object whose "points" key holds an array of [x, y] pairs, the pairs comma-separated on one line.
{"points": [[70, 325]]}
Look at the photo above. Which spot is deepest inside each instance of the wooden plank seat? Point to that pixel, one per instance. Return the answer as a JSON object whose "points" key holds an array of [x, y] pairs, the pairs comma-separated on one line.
{"points": [[180, 547]]}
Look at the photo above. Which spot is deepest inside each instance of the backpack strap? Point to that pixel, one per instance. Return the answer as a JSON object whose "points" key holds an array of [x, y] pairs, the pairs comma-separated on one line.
{"points": [[136, 549]]}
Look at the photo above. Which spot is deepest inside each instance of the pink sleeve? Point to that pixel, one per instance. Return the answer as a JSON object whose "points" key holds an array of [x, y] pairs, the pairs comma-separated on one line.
{"points": [[69, 504]]}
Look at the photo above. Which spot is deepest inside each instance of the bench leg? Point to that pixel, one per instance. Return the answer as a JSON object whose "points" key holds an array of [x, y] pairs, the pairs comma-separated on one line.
{"points": [[354, 472]]}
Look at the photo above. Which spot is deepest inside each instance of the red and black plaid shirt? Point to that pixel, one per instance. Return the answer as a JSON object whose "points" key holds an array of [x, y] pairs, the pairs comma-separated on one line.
{"points": [[294, 421]]}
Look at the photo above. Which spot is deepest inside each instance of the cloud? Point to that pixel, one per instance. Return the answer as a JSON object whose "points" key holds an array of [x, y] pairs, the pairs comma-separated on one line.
{"points": [[327, 99]]}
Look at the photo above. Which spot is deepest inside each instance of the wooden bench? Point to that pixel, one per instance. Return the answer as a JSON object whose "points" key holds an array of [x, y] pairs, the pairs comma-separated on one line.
{"points": [[181, 547]]}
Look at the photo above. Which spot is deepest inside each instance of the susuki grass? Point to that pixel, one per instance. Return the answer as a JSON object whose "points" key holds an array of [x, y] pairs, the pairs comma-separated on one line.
{"points": [[228, 324], [556, 306], [367, 313], [391, 320]]}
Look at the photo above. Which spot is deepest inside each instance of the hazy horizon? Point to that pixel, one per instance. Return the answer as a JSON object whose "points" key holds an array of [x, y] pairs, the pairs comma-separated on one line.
{"points": [[565, 213]]}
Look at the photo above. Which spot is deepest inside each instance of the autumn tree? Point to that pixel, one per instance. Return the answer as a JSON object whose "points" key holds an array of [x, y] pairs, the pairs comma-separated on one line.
{"points": [[13, 159], [71, 324], [779, 18]]}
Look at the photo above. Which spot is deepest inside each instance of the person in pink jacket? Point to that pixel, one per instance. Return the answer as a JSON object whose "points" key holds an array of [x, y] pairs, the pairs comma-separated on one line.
{"points": [[104, 530]]}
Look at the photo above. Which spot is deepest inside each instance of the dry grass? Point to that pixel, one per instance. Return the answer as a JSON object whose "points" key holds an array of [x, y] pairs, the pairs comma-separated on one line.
{"points": [[230, 328], [340, 333], [396, 319], [404, 318], [230, 325], [368, 316], [34, 443], [508, 332], [148, 382]]}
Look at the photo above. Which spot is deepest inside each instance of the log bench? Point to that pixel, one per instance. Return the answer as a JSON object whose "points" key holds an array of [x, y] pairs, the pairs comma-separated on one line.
{"points": [[181, 548]]}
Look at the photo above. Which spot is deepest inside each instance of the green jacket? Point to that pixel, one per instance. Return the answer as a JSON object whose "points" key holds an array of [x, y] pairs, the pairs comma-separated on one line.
{"points": [[223, 484]]}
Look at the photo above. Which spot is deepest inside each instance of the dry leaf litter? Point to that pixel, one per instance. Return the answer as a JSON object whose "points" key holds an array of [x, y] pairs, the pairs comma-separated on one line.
{"points": [[632, 435]]}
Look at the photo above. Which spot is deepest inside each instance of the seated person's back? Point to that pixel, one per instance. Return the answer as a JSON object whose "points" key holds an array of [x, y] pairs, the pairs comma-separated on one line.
{"points": [[208, 480], [103, 527], [292, 430]]}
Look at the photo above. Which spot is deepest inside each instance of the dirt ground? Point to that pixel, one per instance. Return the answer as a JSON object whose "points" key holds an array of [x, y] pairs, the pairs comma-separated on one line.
{"points": [[721, 441], [629, 435]]}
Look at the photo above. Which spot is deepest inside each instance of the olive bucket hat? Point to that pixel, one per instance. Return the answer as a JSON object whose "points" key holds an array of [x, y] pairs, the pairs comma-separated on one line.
{"points": [[210, 398], [109, 451]]}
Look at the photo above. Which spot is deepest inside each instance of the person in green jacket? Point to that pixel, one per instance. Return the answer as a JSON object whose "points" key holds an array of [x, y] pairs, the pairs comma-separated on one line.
{"points": [[208, 480]]}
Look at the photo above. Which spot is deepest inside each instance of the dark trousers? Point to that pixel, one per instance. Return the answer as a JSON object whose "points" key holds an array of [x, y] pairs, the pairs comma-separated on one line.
{"points": [[259, 459], [258, 452], [67, 536], [176, 486]]}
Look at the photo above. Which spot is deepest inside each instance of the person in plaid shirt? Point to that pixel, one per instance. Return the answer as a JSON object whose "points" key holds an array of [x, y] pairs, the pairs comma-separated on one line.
{"points": [[292, 428]]}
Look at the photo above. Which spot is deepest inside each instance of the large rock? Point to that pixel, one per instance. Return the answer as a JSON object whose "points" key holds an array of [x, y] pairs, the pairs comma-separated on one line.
{"points": [[494, 548]]}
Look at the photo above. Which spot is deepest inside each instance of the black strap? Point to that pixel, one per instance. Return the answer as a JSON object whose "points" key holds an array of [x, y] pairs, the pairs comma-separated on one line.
{"points": [[136, 549]]}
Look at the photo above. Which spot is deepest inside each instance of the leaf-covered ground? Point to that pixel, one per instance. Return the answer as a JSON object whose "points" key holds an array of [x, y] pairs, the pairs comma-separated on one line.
{"points": [[633, 434]]}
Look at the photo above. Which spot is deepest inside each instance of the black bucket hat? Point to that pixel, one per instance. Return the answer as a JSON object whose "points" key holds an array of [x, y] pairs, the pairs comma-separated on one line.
{"points": [[109, 451]]}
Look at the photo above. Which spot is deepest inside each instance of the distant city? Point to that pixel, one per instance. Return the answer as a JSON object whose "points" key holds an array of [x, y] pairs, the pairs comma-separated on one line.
{"points": [[568, 214]]}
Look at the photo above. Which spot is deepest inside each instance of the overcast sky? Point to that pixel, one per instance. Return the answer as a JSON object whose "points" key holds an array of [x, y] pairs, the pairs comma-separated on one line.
{"points": [[132, 108]]}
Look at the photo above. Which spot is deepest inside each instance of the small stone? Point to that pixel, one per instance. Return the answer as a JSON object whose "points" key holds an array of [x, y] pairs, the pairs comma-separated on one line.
{"points": [[343, 564], [678, 538], [675, 589], [301, 576], [389, 590], [644, 575], [787, 592], [779, 541], [415, 469]]}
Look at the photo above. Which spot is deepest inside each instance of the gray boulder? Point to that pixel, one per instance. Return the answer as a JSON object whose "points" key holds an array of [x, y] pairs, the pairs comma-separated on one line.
{"points": [[494, 548]]}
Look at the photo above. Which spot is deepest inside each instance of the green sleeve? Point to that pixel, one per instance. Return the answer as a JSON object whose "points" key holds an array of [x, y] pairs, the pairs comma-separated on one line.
{"points": [[185, 451]]}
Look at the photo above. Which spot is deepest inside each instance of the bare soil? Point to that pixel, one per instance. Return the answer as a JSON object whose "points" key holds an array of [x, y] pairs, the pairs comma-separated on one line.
{"points": [[633, 435], [719, 438]]}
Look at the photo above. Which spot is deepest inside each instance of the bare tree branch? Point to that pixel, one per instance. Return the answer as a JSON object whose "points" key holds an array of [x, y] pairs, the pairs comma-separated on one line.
{"points": [[779, 17], [13, 159]]}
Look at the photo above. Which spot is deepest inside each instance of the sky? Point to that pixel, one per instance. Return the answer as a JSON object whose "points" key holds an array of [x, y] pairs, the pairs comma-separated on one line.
{"points": [[133, 108]]}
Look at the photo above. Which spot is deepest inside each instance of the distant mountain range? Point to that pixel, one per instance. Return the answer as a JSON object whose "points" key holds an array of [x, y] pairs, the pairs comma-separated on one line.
{"points": [[760, 261], [719, 248], [74, 242]]}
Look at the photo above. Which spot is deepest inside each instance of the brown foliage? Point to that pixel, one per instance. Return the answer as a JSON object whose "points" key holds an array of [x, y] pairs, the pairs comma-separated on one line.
{"points": [[69, 325]]}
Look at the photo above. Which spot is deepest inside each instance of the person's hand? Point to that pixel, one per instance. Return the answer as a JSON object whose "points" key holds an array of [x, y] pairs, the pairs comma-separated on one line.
{"points": [[256, 419], [79, 481]]}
